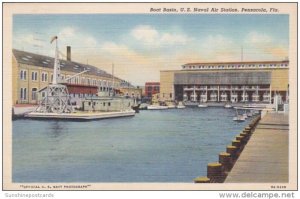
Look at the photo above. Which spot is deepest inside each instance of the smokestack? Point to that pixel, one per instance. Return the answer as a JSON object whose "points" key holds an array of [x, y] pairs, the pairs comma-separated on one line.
{"points": [[69, 53]]}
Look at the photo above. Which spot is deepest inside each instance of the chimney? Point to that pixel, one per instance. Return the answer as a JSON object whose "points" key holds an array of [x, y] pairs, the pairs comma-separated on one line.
{"points": [[69, 53]]}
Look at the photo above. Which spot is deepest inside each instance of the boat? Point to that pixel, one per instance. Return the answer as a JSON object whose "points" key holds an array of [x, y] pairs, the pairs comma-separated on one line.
{"points": [[171, 106], [239, 118], [143, 106], [156, 107], [202, 105], [227, 106], [56, 103], [180, 105], [191, 103]]}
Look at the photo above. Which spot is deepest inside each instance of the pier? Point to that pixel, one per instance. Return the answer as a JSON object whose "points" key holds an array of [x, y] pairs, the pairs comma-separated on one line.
{"points": [[257, 155], [265, 157]]}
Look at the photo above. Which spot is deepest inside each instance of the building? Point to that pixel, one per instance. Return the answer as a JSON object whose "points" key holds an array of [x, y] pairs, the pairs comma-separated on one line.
{"points": [[32, 73], [254, 82], [151, 88]]}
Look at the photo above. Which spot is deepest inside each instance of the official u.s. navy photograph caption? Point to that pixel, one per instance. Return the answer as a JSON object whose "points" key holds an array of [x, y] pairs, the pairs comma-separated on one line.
{"points": [[154, 96]]}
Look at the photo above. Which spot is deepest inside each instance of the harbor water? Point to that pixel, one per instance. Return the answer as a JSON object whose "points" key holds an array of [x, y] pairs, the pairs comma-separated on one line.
{"points": [[172, 145]]}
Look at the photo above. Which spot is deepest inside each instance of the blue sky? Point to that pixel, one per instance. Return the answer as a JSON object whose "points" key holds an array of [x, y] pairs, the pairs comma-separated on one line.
{"points": [[141, 45]]}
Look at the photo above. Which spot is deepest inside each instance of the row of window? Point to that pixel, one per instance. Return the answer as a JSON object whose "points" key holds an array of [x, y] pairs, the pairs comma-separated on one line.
{"points": [[34, 76], [76, 80], [155, 88], [235, 66], [23, 93]]}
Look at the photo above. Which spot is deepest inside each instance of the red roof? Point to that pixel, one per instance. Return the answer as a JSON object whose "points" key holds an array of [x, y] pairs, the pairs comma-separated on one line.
{"points": [[81, 89]]}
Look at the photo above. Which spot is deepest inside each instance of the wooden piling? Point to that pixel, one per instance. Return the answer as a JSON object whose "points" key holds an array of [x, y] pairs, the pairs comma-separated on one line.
{"points": [[214, 172], [202, 179], [232, 151], [225, 160]]}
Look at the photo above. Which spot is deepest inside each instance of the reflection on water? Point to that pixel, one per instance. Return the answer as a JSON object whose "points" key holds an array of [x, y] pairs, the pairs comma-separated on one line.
{"points": [[153, 146], [56, 128]]}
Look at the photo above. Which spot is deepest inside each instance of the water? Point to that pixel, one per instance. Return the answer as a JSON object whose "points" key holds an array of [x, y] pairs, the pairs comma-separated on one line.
{"points": [[153, 146]]}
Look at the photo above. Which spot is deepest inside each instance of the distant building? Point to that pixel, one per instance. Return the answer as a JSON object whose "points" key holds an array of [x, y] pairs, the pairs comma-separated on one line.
{"points": [[151, 88], [256, 82], [32, 73]]}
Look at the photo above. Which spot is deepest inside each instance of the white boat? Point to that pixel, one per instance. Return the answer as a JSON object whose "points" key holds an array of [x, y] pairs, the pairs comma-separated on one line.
{"points": [[170, 106], [239, 118], [227, 106], [180, 105], [202, 105], [156, 107], [191, 103]]}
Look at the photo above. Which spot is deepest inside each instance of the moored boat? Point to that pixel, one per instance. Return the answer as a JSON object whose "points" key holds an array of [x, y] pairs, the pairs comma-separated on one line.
{"points": [[180, 105], [202, 105], [156, 107]]}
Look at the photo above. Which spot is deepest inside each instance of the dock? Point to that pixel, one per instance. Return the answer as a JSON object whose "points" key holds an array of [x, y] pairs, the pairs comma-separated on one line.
{"points": [[265, 158]]}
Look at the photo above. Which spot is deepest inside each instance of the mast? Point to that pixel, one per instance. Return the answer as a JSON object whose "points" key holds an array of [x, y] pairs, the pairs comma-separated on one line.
{"points": [[56, 70]]}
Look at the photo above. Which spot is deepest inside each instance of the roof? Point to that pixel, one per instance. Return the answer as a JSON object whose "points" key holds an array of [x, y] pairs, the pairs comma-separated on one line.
{"points": [[33, 59], [248, 62], [216, 78]]}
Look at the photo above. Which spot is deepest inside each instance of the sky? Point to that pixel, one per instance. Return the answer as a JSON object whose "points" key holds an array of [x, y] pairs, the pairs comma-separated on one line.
{"points": [[141, 45]]}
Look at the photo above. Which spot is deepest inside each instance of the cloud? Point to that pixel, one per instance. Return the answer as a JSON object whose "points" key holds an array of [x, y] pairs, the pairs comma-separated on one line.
{"points": [[145, 33], [120, 51], [76, 37], [264, 46], [150, 36], [258, 38], [67, 32]]}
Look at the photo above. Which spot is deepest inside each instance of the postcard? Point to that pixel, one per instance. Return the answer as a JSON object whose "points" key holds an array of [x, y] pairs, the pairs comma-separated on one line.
{"points": [[150, 96]]}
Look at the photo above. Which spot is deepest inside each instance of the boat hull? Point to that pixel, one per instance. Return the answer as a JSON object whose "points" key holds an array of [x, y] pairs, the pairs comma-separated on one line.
{"points": [[157, 107], [81, 115]]}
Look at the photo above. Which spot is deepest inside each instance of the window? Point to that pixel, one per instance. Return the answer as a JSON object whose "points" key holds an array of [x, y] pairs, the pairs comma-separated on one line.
{"points": [[51, 77], [44, 77], [34, 76], [23, 74], [108, 104], [33, 93], [23, 94], [43, 94]]}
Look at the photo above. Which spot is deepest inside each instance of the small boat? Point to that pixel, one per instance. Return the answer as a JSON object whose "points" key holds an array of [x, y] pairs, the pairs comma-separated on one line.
{"points": [[239, 118], [170, 106], [156, 107], [202, 105], [227, 106], [180, 105], [191, 103]]}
